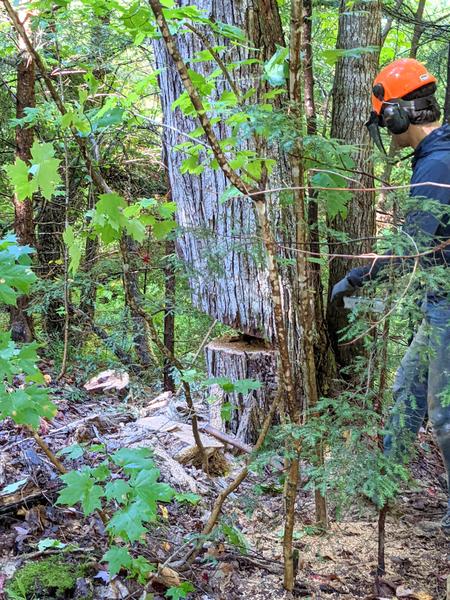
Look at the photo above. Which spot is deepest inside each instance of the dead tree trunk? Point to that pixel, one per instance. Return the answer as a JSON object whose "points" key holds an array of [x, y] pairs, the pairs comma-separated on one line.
{"points": [[21, 321], [358, 27], [220, 242]]}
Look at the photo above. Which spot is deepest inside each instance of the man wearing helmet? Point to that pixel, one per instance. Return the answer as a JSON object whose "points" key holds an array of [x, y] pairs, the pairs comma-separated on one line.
{"points": [[403, 102]]}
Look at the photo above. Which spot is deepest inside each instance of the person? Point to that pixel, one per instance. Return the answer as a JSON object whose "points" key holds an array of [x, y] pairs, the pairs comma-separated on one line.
{"points": [[404, 103]]}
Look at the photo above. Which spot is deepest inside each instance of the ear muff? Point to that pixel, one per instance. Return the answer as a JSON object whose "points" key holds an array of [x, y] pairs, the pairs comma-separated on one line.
{"points": [[395, 118]]}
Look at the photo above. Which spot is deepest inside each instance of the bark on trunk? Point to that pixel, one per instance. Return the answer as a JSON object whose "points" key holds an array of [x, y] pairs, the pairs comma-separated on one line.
{"points": [[358, 27], [87, 303], [169, 316], [21, 322], [50, 253], [237, 358], [228, 280], [133, 297], [447, 91]]}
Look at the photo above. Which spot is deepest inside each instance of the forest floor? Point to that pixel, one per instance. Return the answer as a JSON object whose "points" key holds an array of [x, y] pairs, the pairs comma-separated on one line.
{"points": [[339, 564]]}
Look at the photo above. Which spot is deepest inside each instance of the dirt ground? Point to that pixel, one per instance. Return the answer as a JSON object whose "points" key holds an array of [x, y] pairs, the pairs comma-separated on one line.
{"points": [[340, 564]]}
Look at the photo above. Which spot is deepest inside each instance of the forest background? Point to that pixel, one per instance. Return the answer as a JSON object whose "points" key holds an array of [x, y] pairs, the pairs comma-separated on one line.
{"points": [[177, 198]]}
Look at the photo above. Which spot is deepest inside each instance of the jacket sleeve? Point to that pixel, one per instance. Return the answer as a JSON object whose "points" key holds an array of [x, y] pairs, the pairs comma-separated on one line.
{"points": [[420, 225]]}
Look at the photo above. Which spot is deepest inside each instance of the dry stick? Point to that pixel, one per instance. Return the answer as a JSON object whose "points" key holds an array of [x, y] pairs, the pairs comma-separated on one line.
{"points": [[48, 453], [58, 464], [227, 439], [104, 187]]}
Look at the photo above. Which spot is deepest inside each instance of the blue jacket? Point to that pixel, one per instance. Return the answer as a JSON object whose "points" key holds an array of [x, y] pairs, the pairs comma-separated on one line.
{"points": [[431, 162]]}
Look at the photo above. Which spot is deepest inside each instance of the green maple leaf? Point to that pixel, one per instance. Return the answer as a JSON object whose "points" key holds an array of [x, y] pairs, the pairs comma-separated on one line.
{"points": [[7, 294], [24, 187], [44, 167], [118, 558], [136, 230], [27, 358], [180, 591], [127, 523], [108, 218], [150, 491], [81, 487], [132, 459], [74, 247], [26, 406], [117, 490], [162, 228]]}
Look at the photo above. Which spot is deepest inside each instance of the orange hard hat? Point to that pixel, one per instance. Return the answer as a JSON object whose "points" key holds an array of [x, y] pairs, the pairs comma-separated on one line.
{"points": [[398, 79]]}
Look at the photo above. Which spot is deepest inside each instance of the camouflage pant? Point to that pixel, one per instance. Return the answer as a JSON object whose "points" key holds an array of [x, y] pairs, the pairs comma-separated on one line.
{"points": [[422, 384]]}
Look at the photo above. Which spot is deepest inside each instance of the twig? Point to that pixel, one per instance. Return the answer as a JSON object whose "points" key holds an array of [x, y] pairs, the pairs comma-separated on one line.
{"points": [[228, 439], [395, 304], [48, 453], [50, 551], [217, 58]]}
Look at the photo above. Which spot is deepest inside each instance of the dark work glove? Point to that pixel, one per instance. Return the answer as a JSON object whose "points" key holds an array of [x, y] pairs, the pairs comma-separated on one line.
{"points": [[341, 289]]}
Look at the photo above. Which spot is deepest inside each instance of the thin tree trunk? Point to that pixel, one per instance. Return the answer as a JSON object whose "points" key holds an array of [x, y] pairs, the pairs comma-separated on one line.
{"points": [[447, 91], [418, 29], [131, 283], [21, 321], [326, 363], [169, 293], [88, 300], [169, 314], [359, 26], [49, 228]]}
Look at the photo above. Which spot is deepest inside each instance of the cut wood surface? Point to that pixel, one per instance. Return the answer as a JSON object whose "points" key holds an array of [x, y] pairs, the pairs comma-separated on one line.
{"points": [[238, 360]]}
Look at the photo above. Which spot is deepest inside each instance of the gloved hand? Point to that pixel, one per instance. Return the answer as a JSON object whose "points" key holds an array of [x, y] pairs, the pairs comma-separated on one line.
{"points": [[342, 288]]}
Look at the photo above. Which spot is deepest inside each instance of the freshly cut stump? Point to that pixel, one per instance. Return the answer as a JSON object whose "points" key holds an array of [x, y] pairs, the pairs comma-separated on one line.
{"points": [[239, 358]]}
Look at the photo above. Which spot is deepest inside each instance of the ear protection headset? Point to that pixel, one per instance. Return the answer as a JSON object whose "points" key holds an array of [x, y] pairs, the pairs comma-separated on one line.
{"points": [[394, 113]]}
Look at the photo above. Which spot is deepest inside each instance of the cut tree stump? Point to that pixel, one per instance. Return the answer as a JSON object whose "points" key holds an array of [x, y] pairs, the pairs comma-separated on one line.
{"points": [[243, 358]]}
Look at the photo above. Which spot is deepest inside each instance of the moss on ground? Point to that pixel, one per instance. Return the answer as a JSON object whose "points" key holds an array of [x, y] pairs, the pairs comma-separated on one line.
{"points": [[44, 579]]}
